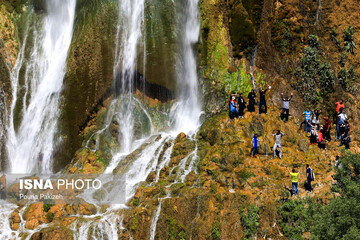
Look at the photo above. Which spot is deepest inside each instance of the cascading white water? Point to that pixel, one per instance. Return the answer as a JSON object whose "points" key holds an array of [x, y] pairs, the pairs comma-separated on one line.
{"points": [[31, 145], [318, 11], [129, 33], [186, 113]]}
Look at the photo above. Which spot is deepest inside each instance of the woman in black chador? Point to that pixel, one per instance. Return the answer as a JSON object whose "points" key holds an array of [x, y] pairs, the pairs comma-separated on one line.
{"points": [[251, 97]]}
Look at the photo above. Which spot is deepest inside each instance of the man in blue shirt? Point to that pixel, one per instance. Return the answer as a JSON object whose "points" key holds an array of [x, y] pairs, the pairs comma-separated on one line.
{"points": [[307, 114], [255, 144]]}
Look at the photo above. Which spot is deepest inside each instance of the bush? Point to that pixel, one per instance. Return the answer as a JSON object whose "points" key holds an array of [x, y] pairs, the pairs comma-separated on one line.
{"points": [[333, 36], [250, 221], [296, 217], [341, 218], [348, 36], [47, 207], [327, 78], [215, 231], [50, 216], [313, 41], [347, 79], [315, 78], [343, 59]]}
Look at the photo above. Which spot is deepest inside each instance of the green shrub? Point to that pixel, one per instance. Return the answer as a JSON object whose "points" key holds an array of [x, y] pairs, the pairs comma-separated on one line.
{"points": [[243, 175], [250, 221], [313, 41], [333, 36], [343, 58], [315, 77], [349, 38], [296, 217], [341, 218], [216, 231], [50, 216], [347, 79], [47, 207]]}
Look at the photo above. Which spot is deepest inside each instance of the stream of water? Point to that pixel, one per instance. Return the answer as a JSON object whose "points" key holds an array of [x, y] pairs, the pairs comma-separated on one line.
{"points": [[35, 103]]}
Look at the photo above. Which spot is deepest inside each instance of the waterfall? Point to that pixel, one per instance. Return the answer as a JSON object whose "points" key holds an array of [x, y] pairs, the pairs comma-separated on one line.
{"points": [[186, 113], [30, 145], [252, 66], [318, 12], [129, 34]]}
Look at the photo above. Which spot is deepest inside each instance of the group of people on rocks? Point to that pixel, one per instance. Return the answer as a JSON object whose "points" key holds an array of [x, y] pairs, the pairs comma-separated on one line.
{"points": [[237, 104], [319, 131], [319, 134]]}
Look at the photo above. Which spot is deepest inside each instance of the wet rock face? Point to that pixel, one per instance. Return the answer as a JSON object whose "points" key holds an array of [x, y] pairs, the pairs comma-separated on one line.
{"points": [[244, 24], [140, 83], [56, 233], [89, 75]]}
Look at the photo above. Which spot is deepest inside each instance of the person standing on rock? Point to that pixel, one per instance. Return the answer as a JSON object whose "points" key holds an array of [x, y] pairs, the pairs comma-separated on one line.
{"points": [[339, 106], [316, 118], [309, 177], [342, 117], [286, 106], [344, 135], [313, 135], [321, 140], [251, 97], [277, 144], [262, 105], [233, 110], [242, 104], [294, 179], [255, 145], [327, 128], [307, 114]]}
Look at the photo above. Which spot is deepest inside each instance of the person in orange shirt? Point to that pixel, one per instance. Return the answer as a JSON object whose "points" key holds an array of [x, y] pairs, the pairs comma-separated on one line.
{"points": [[339, 105]]}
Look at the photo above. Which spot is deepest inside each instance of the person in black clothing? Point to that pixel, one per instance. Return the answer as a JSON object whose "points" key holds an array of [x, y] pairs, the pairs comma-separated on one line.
{"points": [[262, 105], [242, 104], [251, 97], [344, 137]]}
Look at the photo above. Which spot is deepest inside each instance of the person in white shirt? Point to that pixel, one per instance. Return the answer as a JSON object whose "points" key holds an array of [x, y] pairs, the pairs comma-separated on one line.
{"points": [[277, 144]]}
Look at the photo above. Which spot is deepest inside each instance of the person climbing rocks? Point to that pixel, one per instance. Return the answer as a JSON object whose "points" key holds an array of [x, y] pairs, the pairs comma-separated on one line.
{"points": [[342, 117], [339, 105], [327, 128], [345, 134], [255, 145], [278, 135], [316, 118], [242, 104], [313, 135], [309, 177], [251, 97], [321, 140], [294, 179], [262, 105], [286, 106], [233, 113], [307, 114]]}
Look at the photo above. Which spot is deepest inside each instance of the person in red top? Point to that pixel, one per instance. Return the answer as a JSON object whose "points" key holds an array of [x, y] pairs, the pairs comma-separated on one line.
{"points": [[321, 141], [327, 129]]}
